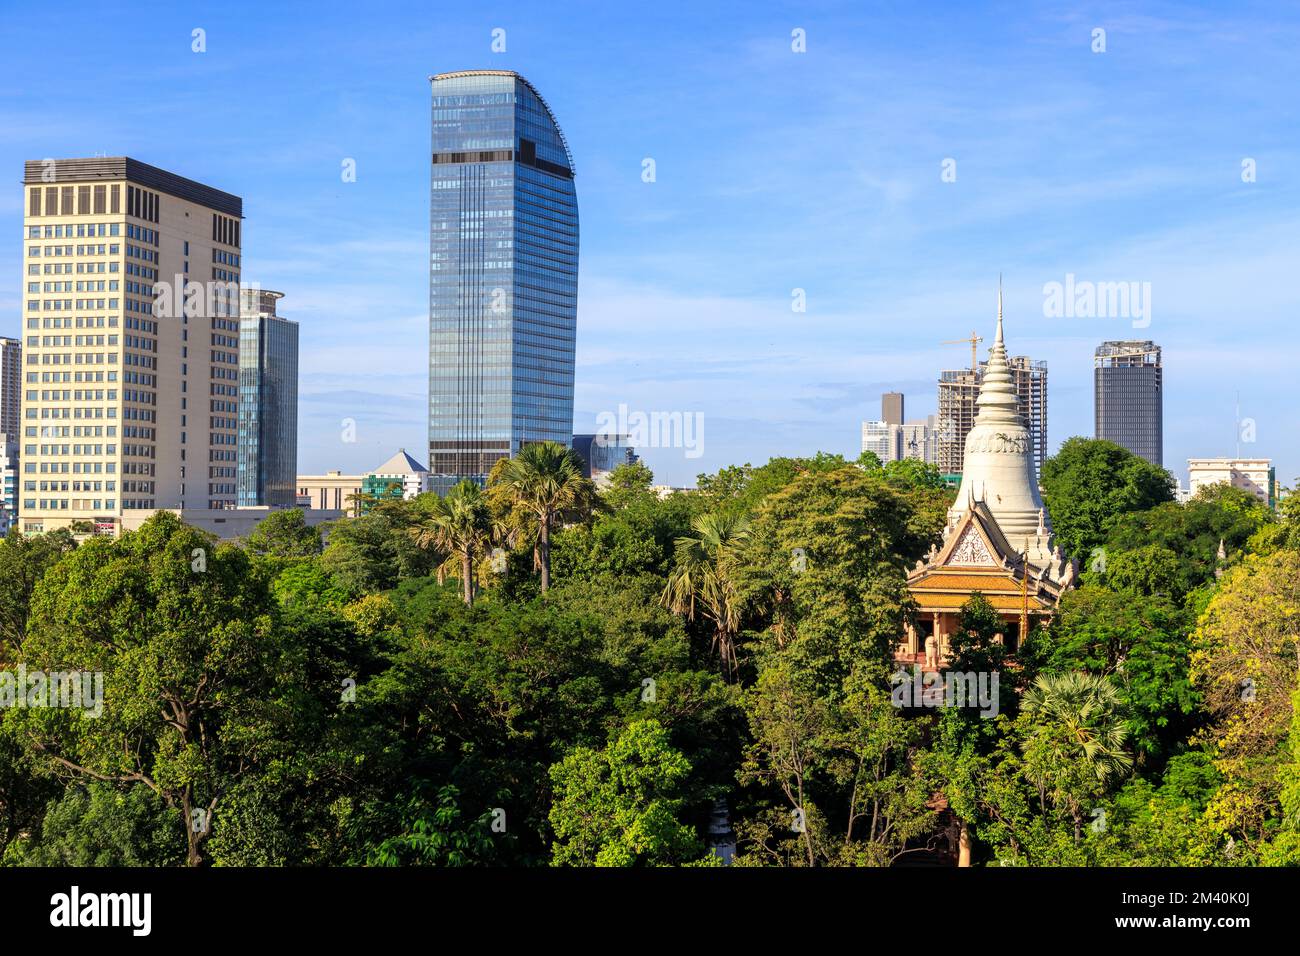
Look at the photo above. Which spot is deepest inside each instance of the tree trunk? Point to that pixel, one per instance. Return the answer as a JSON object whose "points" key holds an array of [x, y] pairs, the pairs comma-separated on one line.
{"points": [[963, 845], [193, 833], [544, 549], [467, 576]]}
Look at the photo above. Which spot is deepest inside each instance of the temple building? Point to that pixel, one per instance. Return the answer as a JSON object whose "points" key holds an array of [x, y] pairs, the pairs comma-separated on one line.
{"points": [[998, 540]]}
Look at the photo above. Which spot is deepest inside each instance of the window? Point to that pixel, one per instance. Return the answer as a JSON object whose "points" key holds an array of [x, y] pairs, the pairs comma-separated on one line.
{"points": [[34, 204]]}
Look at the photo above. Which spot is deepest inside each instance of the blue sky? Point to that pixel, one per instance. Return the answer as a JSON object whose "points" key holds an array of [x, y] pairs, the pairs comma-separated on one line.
{"points": [[775, 170]]}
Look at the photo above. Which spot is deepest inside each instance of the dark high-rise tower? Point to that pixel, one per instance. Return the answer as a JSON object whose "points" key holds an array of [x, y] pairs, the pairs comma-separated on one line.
{"points": [[268, 402], [891, 408], [503, 274], [1129, 384], [11, 364]]}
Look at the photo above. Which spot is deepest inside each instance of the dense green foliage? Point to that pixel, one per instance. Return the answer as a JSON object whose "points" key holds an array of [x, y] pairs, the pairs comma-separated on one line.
{"points": [[704, 667]]}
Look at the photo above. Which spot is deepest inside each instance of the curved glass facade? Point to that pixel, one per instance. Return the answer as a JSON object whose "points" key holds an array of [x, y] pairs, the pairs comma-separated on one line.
{"points": [[503, 275], [267, 472]]}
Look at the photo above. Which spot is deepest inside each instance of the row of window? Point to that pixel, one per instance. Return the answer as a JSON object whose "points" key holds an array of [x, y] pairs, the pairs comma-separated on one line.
{"points": [[66, 431], [225, 230], [81, 322], [65, 268], [82, 285], [78, 395], [142, 203], [65, 305], [87, 200], [80, 230], [145, 234], [75, 358], [139, 252], [77, 467], [78, 504], [99, 249], [70, 486]]}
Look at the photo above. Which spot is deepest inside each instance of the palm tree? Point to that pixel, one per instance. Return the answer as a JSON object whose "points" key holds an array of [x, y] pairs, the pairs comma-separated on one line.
{"points": [[1088, 708], [458, 525], [546, 479], [1077, 723], [703, 579], [361, 502]]}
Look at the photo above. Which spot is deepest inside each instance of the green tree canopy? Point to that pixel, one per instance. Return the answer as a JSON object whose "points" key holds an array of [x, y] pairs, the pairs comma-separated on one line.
{"points": [[1089, 483], [285, 534], [621, 806]]}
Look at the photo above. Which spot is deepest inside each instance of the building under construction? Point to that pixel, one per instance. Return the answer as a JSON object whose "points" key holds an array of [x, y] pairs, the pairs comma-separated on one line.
{"points": [[958, 390]]}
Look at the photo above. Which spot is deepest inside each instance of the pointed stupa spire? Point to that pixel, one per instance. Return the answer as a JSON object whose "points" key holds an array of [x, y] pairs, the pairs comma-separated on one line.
{"points": [[997, 402], [997, 340], [998, 464]]}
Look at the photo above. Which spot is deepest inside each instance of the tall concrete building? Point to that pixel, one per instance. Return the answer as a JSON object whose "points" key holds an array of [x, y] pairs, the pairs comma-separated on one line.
{"points": [[891, 408], [10, 411], [11, 395], [883, 439], [958, 391], [268, 402], [503, 274], [893, 439], [131, 343], [8, 482], [1128, 380]]}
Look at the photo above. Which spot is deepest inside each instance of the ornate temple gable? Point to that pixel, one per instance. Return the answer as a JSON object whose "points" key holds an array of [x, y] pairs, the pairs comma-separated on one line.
{"points": [[975, 541], [971, 549]]}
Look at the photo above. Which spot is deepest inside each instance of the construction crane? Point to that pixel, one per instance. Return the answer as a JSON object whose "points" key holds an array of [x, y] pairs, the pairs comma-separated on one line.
{"points": [[974, 341]]}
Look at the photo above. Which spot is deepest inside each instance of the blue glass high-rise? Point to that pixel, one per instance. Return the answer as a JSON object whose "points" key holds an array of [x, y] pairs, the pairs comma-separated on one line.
{"points": [[267, 472], [503, 274]]}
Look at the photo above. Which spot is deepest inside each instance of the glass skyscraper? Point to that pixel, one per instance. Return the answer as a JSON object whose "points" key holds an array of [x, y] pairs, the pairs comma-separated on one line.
{"points": [[503, 274], [268, 403], [1129, 397]]}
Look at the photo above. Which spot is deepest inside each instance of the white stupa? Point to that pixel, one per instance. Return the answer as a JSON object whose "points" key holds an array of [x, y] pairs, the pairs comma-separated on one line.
{"points": [[998, 540], [998, 466]]}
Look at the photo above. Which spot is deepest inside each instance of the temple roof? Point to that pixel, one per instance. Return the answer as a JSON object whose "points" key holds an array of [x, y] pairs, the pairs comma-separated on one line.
{"points": [[977, 556]]}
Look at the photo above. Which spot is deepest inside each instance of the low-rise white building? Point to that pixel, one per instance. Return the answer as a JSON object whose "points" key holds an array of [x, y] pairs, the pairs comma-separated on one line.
{"points": [[1255, 475], [402, 469]]}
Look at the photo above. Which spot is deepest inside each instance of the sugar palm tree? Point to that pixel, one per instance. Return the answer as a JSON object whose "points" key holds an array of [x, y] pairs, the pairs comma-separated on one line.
{"points": [[703, 579], [1088, 708], [546, 480], [1076, 734], [458, 525]]}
